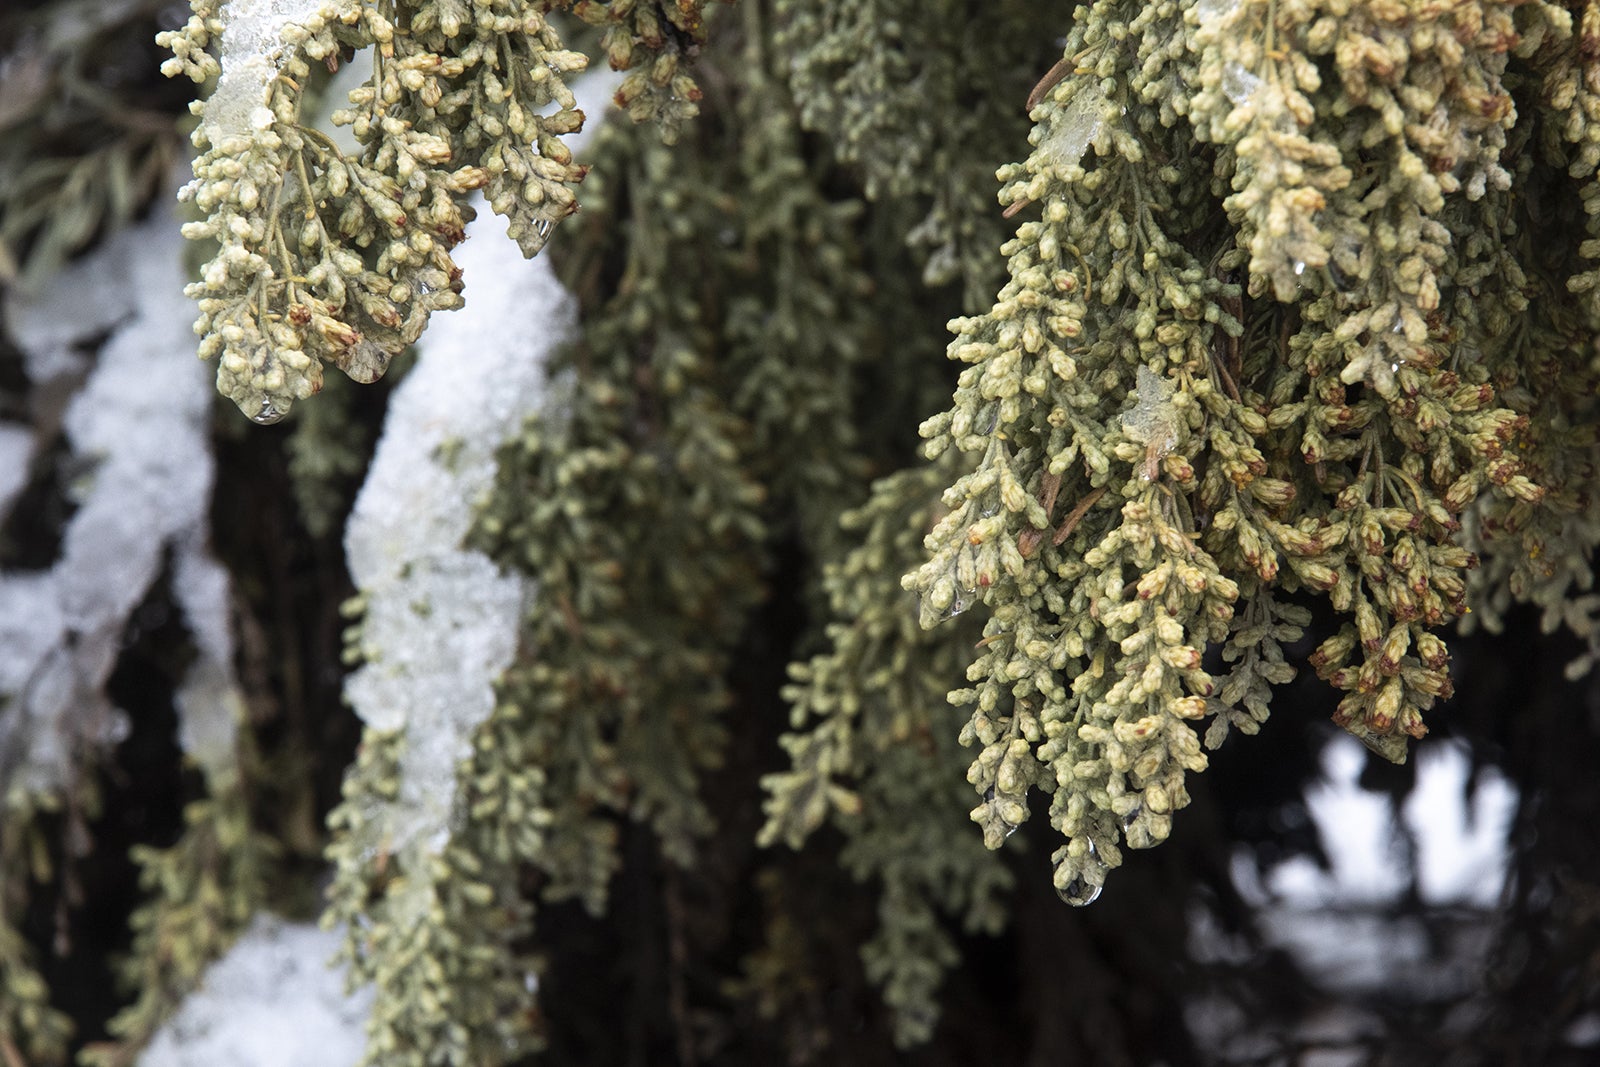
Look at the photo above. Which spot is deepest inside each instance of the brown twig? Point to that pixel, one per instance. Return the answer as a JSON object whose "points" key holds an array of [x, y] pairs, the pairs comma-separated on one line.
{"points": [[1227, 379], [1074, 517], [1051, 79], [1016, 206], [1049, 487]]}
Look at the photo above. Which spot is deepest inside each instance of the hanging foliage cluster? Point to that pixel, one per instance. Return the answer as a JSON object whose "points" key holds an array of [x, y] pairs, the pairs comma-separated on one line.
{"points": [[1277, 316]]}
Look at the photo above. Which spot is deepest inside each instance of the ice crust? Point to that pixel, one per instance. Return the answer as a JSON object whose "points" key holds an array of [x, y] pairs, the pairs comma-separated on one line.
{"points": [[1152, 421], [1239, 84], [271, 1001], [139, 426], [442, 620], [253, 52], [1079, 124]]}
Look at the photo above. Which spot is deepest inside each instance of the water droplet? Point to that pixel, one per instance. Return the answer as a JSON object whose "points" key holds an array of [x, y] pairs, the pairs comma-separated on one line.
{"points": [[1299, 267], [1130, 817], [1238, 84], [1084, 887], [269, 413], [1344, 264], [988, 419], [998, 810], [1079, 892], [959, 603], [962, 599]]}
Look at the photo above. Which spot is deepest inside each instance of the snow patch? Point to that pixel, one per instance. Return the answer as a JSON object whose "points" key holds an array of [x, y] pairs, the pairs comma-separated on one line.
{"points": [[271, 1001], [1463, 856], [253, 52], [140, 425], [1462, 852], [16, 452], [442, 621]]}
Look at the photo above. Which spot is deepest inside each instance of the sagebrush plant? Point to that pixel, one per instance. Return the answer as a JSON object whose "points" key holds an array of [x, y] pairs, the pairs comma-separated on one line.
{"points": [[329, 258], [1189, 423], [1287, 322]]}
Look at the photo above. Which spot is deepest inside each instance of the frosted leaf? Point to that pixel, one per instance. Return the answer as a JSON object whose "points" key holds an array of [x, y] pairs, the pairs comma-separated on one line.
{"points": [[271, 1001], [253, 52], [1074, 127], [442, 622]]}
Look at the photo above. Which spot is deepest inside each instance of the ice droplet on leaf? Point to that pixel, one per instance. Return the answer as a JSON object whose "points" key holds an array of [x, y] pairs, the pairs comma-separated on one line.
{"points": [[269, 413], [1079, 893], [1085, 886]]}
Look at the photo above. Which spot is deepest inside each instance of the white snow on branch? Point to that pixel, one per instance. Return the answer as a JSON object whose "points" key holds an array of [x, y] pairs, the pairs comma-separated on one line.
{"points": [[272, 1001], [442, 620], [16, 452], [139, 428], [1460, 836], [253, 52]]}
